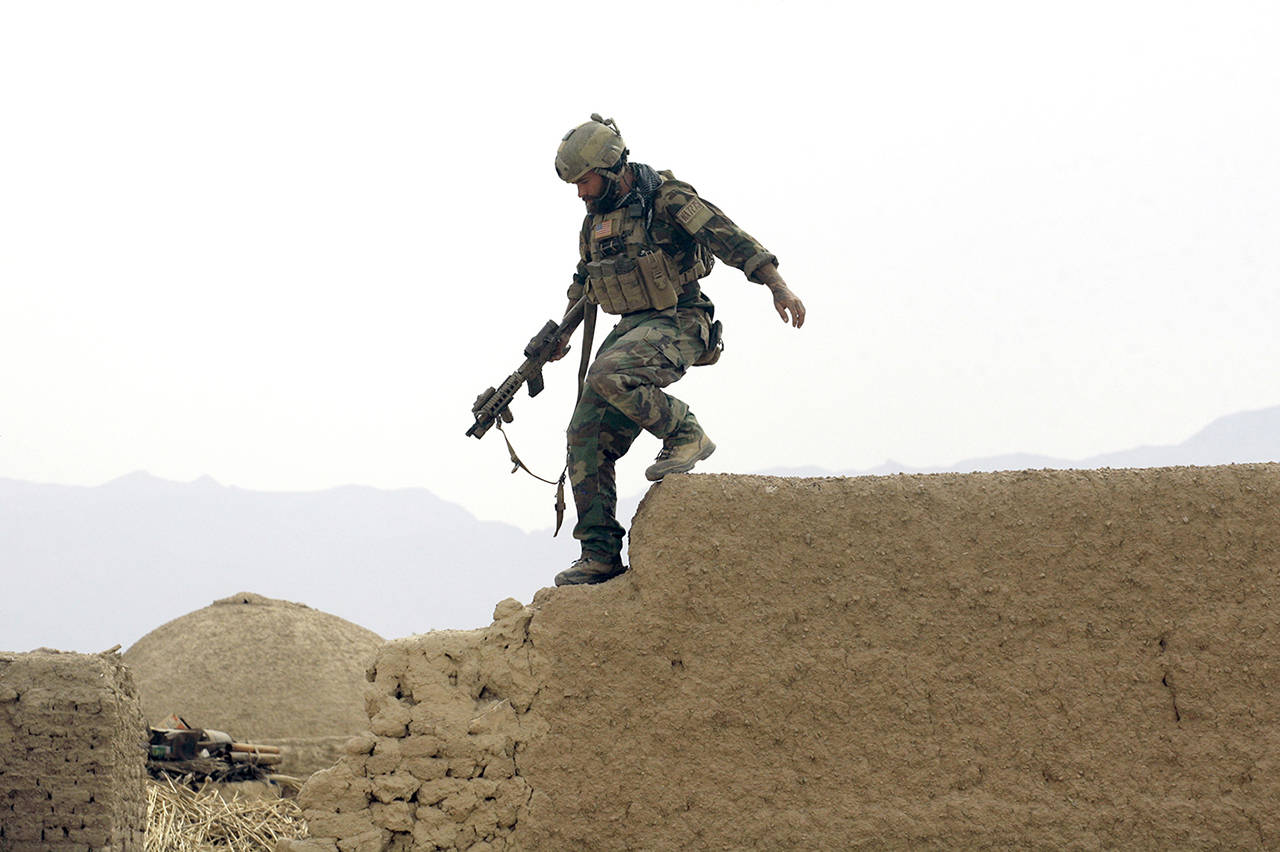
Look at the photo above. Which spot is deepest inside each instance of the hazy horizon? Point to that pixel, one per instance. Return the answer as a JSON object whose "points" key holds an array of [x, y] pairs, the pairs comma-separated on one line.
{"points": [[131, 554], [1219, 453]]}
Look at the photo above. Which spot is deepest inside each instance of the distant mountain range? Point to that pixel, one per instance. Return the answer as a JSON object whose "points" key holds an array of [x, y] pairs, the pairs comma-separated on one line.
{"points": [[1251, 436], [86, 568]]}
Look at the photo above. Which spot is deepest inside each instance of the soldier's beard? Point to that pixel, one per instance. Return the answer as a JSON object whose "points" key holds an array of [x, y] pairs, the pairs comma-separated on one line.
{"points": [[604, 202]]}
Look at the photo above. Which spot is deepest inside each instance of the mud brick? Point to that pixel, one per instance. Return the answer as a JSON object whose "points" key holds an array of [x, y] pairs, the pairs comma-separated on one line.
{"points": [[54, 723], [56, 831], [44, 702], [23, 830], [95, 836], [388, 788], [396, 816], [426, 768], [422, 746], [76, 794], [323, 824], [32, 803]]}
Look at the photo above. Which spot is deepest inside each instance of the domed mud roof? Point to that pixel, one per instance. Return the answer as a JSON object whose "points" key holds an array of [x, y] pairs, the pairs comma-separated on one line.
{"points": [[257, 668]]}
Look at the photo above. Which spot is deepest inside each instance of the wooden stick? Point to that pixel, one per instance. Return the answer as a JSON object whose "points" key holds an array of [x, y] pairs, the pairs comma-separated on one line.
{"points": [[259, 759]]}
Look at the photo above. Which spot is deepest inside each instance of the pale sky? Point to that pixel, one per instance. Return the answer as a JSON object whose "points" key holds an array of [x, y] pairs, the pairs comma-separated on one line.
{"points": [[284, 244]]}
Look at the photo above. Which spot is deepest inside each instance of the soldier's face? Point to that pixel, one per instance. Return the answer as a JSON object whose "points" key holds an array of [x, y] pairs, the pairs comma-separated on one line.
{"points": [[590, 187]]}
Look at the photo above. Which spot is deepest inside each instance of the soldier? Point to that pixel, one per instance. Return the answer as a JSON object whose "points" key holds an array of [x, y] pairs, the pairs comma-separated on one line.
{"points": [[646, 242]]}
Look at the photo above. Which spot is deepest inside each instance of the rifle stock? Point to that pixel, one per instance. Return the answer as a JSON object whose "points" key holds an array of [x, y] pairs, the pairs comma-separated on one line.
{"points": [[492, 404]]}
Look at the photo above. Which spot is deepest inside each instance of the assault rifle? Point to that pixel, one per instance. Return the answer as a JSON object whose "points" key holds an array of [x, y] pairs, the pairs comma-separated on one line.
{"points": [[492, 404]]}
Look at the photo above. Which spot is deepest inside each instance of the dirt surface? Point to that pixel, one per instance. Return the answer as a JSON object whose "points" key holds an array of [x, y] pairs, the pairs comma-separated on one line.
{"points": [[1079, 659], [263, 670]]}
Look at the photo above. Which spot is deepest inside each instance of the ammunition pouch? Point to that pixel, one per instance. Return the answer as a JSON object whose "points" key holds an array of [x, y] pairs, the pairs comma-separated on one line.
{"points": [[715, 345], [623, 285]]}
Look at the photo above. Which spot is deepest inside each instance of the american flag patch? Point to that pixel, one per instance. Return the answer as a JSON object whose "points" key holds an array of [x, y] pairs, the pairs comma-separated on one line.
{"points": [[603, 229]]}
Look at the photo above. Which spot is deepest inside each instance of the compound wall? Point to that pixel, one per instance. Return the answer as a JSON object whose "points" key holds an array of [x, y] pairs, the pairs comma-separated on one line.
{"points": [[72, 753], [1054, 659]]}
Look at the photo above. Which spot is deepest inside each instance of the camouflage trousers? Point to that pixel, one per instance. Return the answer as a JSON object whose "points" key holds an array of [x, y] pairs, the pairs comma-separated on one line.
{"points": [[622, 396]]}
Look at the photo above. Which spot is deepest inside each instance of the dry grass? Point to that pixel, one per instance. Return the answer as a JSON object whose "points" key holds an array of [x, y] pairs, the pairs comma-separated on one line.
{"points": [[179, 820]]}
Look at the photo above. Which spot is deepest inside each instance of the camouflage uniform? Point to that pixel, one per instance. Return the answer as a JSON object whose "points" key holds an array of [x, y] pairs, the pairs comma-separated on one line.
{"points": [[645, 352]]}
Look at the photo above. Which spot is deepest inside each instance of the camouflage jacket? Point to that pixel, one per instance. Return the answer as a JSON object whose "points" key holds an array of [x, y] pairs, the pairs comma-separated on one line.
{"points": [[684, 223]]}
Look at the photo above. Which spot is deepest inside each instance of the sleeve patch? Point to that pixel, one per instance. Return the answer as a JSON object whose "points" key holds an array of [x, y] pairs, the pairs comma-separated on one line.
{"points": [[694, 215]]}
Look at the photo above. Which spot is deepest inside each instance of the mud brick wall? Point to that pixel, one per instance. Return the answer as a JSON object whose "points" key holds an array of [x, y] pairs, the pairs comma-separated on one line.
{"points": [[438, 768], [1040, 659], [72, 756]]}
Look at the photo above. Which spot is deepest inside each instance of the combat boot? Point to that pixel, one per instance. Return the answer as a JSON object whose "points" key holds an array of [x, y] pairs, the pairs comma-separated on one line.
{"points": [[589, 570], [681, 450]]}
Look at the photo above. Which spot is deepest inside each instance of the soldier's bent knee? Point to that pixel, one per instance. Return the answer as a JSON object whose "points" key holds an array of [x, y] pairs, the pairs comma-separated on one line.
{"points": [[600, 382]]}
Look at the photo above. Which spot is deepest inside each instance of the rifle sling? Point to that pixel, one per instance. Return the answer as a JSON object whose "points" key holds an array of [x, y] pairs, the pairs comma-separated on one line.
{"points": [[515, 459], [588, 335]]}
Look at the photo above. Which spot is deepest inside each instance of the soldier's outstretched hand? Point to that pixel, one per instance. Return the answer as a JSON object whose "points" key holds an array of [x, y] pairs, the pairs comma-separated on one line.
{"points": [[784, 300]]}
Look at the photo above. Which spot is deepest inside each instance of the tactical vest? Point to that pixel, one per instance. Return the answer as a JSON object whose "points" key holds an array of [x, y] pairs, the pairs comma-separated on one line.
{"points": [[627, 270]]}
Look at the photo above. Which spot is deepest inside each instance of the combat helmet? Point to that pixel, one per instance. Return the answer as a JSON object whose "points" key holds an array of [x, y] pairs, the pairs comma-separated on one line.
{"points": [[597, 144]]}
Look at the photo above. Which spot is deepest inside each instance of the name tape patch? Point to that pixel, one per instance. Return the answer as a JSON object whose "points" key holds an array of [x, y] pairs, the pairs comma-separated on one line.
{"points": [[694, 215]]}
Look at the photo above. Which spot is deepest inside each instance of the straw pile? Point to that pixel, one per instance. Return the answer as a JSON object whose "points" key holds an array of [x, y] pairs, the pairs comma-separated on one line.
{"points": [[179, 820]]}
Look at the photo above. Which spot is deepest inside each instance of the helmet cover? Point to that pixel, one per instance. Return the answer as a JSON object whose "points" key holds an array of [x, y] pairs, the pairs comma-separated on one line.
{"points": [[596, 144]]}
